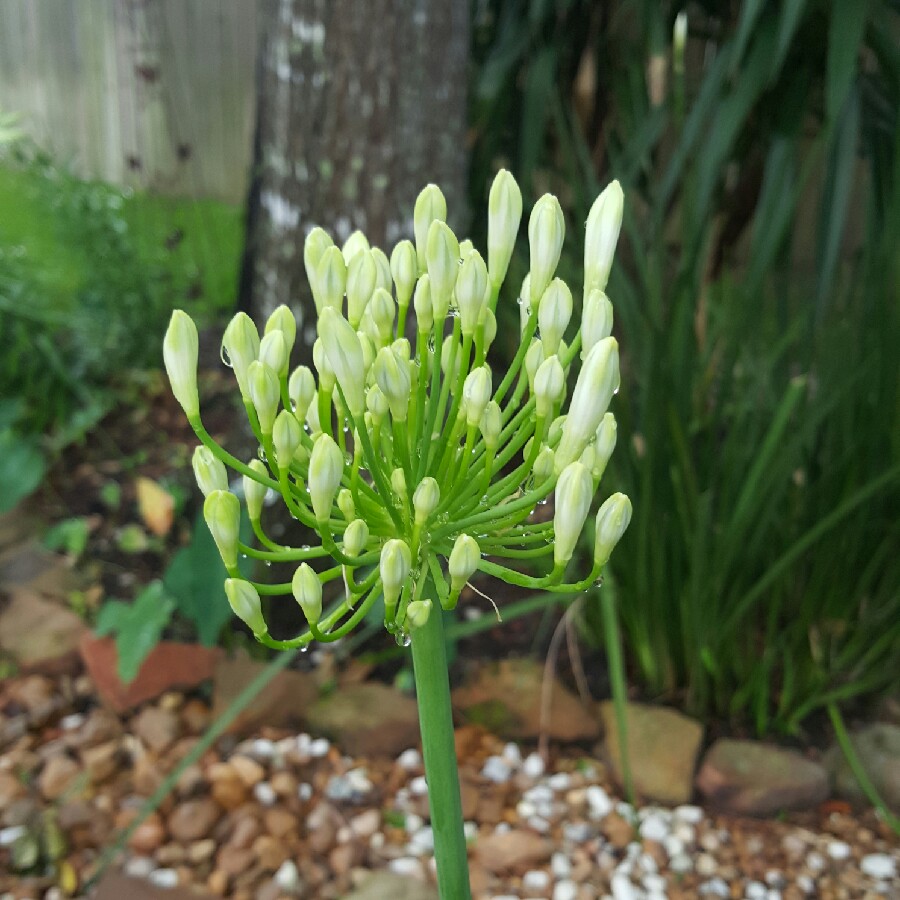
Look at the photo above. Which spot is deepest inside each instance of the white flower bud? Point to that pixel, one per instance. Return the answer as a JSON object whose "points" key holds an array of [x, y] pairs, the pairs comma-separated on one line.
{"points": [[381, 309], [346, 505], [254, 492], [446, 352], [286, 437], [422, 304], [442, 254], [430, 205], [555, 431], [603, 226], [398, 484], [476, 394], [574, 492], [613, 518], [596, 320], [549, 384], [356, 537], [463, 562], [425, 499], [301, 390], [394, 566], [273, 352], [470, 291], [180, 350], [312, 420], [679, 40], [244, 602], [331, 280], [307, 591], [345, 356], [326, 466], [209, 471], [543, 464], [356, 243], [404, 270], [554, 314], [222, 511], [392, 376], [418, 613], [317, 242], [327, 375], [604, 445], [265, 394], [534, 357], [465, 248], [504, 218], [383, 267], [490, 327], [241, 344], [491, 424], [282, 319], [368, 351], [362, 279], [546, 230], [597, 381], [377, 404]]}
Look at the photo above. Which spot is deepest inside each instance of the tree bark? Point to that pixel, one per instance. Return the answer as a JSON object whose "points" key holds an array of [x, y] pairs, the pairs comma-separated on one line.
{"points": [[360, 106]]}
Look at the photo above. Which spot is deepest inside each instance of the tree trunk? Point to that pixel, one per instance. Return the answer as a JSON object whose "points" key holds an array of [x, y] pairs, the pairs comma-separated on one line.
{"points": [[360, 105]]}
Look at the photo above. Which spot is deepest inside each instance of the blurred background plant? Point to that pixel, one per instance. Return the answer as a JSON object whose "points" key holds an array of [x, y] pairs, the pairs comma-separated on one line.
{"points": [[758, 312]]}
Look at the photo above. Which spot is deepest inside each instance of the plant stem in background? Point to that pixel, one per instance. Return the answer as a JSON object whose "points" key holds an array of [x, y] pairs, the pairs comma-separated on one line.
{"points": [[439, 752], [613, 641]]}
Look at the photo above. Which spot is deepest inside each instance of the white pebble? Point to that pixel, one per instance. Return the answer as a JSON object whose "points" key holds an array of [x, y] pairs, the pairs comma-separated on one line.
{"points": [[319, 748], [755, 890], [496, 769], [693, 815], [407, 865], [681, 863], [775, 879], [655, 828], [164, 878], [525, 809], [673, 845], [513, 755], [533, 765], [470, 831], [706, 864], [684, 832], [599, 804], [655, 883], [577, 832], [561, 781], [622, 888], [535, 880], [540, 793], [413, 823], [410, 760], [715, 886], [265, 793], [773, 895], [9, 836], [418, 787], [139, 867], [648, 864], [287, 877], [879, 865], [538, 824], [565, 890], [344, 834], [560, 865], [806, 884], [502, 828], [262, 748], [71, 722], [838, 850], [421, 842], [815, 861], [304, 791]]}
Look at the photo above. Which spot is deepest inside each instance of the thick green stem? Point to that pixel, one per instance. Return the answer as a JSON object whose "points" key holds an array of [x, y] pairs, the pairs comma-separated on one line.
{"points": [[439, 752]]}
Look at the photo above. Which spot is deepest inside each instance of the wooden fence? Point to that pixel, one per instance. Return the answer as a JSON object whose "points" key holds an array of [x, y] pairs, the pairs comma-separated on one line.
{"points": [[155, 94]]}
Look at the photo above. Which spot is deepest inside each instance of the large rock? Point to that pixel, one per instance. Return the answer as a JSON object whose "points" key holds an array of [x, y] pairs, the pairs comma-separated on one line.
{"points": [[40, 635], [167, 666], [514, 850], [505, 697], [750, 778], [662, 748], [367, 720], [878, 749], [283, 702]]}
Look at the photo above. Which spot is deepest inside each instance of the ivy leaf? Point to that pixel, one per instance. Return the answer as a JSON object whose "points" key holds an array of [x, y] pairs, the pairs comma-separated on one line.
{"points": [[137, 626], [22, 466]]}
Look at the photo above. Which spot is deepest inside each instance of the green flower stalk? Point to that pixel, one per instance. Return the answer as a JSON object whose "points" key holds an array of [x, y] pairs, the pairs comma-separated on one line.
{"points": [[416, 463]]}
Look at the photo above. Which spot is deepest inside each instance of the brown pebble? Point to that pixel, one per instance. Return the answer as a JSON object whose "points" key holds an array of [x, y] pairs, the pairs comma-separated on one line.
{"points": [[149, 835], [194, 819], [270, 852], [157, 728], [58, 776], [248, 770], [284, 784], [279, 822], [617, 830], [201, 851], [101, 761], [246, 830], [234, 860], [217, 883]]}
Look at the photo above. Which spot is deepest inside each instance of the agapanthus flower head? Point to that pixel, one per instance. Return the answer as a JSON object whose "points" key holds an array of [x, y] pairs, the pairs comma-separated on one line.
{"points": [[411, 460]]}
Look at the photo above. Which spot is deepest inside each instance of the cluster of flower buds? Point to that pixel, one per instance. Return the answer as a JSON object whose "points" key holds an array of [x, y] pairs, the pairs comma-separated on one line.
{"points": [[415, 463]]}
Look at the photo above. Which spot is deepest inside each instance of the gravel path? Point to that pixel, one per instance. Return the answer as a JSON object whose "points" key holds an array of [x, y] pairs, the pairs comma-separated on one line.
{"points": [[284, 815]]}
